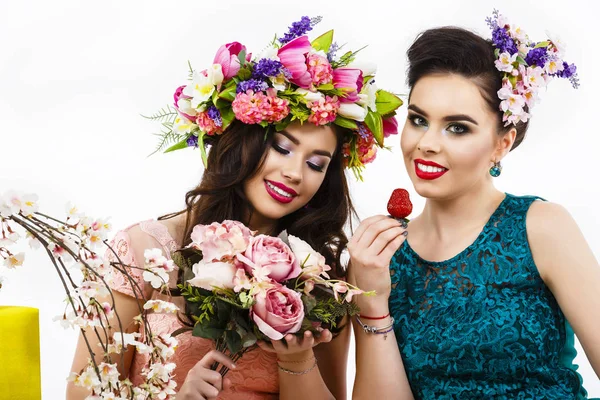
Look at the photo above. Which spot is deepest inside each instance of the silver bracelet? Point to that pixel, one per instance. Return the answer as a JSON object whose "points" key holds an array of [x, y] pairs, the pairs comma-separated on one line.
{"points": [[289, 371], [375, 329]]}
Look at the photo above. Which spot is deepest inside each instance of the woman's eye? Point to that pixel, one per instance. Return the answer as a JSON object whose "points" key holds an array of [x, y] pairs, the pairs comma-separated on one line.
{"points": [[458, 129], [280, 149], [315, 167], [418, 121]]}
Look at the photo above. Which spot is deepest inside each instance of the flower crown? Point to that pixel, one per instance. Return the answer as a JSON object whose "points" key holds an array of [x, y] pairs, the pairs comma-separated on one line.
{"points": [[527, 67], [292, 79]]}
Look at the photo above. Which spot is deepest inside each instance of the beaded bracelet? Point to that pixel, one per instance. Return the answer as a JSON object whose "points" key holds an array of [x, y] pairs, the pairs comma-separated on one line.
{"points": [[289, 371], [374, 329]]}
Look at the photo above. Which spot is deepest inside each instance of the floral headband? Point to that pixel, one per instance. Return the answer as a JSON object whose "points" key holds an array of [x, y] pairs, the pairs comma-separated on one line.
{"points": [[292, 79], [527, 67]]}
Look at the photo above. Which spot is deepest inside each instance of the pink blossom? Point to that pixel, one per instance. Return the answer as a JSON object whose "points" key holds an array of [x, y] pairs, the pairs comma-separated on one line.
{"points": [[274, 254], [350, 81], [253, 108], [207, 124], [241, 281], [293, 57], [324, 110], [390, 126], [319, 69], [220, 241], [278, 313], [227, 57]]}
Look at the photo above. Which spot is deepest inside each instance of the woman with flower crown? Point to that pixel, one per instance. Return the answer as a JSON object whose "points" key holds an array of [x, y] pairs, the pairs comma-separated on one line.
{"points": [[281, 130], [480, 295]]}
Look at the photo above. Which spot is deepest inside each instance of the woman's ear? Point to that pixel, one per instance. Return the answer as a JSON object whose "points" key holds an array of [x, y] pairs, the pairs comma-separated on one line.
{"points": [[505, 143]]}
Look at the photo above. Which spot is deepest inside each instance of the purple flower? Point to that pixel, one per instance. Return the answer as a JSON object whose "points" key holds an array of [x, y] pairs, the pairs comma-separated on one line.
{"points": [[332, 50], [252, 84], [569, 72], [503, 41], [363, 132], [299, 28], [215, 115], [266, 68], [537, 57], [192, 141]]}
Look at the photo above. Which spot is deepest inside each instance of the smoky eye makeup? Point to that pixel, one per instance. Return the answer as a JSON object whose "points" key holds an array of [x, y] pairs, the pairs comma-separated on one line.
{"points": [[416, 119]]}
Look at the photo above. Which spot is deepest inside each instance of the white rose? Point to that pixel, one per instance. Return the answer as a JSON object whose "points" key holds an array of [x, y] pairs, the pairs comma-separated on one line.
{"points": [[208, 275], [312, 262], [352, 111]]}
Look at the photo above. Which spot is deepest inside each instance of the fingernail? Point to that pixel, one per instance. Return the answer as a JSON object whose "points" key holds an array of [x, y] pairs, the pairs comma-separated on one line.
{"points": [[403, 223], [405, 233], [233, 366]]}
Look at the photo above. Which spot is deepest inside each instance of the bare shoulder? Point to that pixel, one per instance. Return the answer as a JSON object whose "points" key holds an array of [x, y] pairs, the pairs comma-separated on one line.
{"points": [[547, 219]]}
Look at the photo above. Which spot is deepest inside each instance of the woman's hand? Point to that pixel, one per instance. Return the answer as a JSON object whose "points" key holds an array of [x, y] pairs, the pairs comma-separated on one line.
{"points": [[371, 249], [295, 348], [201, 382]]}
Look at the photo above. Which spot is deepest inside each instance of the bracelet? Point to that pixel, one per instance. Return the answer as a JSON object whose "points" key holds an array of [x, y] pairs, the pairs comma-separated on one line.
{"points": [[296, 362], [289, 371], [374, 329], [366, 317]]}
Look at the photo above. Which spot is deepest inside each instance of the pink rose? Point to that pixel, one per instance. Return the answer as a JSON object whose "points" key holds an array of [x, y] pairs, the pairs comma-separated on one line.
{"points": [[278, 313], [227, 57], [293, 57], [220, 242], [350, 81], [271, 253]]}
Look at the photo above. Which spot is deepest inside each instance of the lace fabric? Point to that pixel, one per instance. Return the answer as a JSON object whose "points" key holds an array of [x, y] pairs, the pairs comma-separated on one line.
{"points": [[483, 324], [256, 376]]}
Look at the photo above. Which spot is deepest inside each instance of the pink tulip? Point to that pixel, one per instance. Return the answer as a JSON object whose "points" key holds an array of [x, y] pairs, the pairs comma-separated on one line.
{"points": [[293, 57], [390, 126], [227, 57], [350, 80]]}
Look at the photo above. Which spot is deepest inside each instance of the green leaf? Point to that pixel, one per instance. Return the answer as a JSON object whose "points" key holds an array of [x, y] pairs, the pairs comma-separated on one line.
{"points": [[309, 303], [281, 125], [234, 341], [244, 74], [207, 331], [220, 103], [227, 116], [177, 146], [323, 42], [521, 60], [345, 122], [325, 86], [542, 44], [375, 124], [387, 102], [242, 57], [228, 93]]}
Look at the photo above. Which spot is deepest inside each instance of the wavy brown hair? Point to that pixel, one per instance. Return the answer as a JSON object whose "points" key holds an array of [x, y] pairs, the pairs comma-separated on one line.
{"points": [[238, 155]]}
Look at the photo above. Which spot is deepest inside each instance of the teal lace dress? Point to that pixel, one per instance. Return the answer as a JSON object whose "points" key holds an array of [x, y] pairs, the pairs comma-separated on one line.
{"points": [[483, 325]]}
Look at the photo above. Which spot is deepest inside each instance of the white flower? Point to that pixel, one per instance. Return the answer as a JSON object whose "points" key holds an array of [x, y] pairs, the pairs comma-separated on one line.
{"points": [[368, 95], [9, 240], [109, 374], [208, 275], [270, 52], [505, 62], [10, 204], [87, 379], [534, 77], [183, 125], [553, 66], [14, 260], [558, 43], [215, 74], [166, 344], [122, 339], [241, 281], [33, 242], [29, 204], [310, 96], [200, 90], [367, 68], [312, 262], [185, 106], [59, 252], [352, 111], [279, 82], [519, 34], [157, 268], [510, 101], [159, 306]]}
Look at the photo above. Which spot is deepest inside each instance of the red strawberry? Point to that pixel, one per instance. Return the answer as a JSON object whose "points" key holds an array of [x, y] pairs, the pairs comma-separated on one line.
{"points": [[399, 205]]}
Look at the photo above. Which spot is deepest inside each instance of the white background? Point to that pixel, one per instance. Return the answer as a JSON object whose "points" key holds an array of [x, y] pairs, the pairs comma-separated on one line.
{"points": [[75, 77]]}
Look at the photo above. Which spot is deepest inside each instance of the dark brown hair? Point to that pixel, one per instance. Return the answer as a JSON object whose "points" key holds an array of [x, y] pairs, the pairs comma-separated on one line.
{"points": [[239, 154], [455, 50]]}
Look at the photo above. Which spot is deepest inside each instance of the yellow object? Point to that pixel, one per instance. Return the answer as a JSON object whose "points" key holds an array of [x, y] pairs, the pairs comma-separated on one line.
{"points": [[20, 353]]}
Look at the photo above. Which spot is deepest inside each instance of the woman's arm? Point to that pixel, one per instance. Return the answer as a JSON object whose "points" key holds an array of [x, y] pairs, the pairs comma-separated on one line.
{"points": [[569, 268], [380, 372]]}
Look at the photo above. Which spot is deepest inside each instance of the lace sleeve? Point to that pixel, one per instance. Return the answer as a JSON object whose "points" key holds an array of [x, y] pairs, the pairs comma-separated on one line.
{"points": [[123, 251]]}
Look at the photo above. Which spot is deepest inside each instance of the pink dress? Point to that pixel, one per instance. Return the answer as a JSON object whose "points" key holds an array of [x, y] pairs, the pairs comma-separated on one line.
{"points": [[256, 375]]}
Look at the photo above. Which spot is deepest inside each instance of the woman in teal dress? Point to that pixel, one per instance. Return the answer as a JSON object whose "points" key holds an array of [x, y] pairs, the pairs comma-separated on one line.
{"points": [[479, 295]]}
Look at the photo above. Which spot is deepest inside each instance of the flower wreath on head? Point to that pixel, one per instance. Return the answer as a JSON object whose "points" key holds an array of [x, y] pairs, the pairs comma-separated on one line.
{"points": [[527, 67], [293, 79]]}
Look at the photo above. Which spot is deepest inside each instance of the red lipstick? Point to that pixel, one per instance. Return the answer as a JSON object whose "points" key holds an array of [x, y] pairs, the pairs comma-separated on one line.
{"points": [[429, 175], [282, 198]]}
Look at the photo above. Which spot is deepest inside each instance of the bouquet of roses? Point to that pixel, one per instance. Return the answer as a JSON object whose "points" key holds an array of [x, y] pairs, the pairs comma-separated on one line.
{"points": [[241, 287]]}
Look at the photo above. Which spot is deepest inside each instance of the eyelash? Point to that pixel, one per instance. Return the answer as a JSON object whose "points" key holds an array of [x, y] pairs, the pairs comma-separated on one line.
{"points": [[283, 151], [464, 129]]}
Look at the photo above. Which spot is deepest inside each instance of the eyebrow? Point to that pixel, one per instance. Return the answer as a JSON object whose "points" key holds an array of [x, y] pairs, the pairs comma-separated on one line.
{"points": [[448, 118], [294, 140]]}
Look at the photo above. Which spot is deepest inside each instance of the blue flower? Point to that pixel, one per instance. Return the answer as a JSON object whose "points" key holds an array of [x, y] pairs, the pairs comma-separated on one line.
{"points": [[537, 57], [192, 141], [266, 68]]}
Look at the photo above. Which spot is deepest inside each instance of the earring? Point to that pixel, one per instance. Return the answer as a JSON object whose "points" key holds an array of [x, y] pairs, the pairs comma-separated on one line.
{"points": [[496, 169]]}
